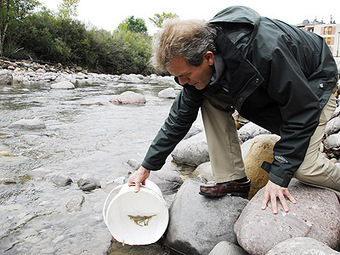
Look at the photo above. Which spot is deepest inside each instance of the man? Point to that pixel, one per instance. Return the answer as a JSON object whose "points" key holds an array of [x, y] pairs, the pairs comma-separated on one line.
{"points": [[276, 75]]}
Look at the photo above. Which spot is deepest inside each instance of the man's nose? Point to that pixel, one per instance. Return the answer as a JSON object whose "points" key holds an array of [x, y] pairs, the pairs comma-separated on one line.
{"points": [[183, 80]]}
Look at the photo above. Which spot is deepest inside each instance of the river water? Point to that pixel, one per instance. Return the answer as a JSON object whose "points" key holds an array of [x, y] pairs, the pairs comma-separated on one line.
{"points": [[85, 134]]}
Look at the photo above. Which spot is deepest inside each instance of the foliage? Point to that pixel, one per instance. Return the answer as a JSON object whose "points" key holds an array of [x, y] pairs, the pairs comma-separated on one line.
{"points": [[67, 9], [44, 36], [11, 12], [134, 25], [159, 19]]}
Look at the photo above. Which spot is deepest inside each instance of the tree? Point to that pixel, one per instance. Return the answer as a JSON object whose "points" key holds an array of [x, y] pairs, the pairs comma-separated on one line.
{"points": [[133, 24], [13, 11], [68, 9], [159, 19]]}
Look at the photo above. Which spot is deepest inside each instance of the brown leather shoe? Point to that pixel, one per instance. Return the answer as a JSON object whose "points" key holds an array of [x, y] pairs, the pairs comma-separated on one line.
{"points": [[234, 188]]}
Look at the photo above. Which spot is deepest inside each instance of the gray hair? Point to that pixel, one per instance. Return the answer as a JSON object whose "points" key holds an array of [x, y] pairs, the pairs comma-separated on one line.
{"points": [[189, 39]]}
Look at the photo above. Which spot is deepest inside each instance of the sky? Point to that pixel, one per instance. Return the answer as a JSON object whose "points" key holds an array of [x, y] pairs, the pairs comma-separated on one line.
{"points": [[108, 14]]}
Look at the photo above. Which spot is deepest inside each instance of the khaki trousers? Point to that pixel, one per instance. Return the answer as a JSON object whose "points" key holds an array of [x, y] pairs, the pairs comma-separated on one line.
{"points": [[225, 151]]}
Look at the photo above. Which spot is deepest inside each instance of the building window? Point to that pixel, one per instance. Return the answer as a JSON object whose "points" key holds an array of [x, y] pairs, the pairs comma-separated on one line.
{"points": [[330, 30], [328, 40]]}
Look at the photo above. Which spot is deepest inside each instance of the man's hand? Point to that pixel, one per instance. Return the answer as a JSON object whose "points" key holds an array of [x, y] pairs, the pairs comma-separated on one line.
{"points": [[138, 178], [273, 191]]}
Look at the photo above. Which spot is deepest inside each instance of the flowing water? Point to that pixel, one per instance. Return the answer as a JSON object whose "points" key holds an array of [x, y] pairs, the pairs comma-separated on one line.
{"points": [[85, 134]]}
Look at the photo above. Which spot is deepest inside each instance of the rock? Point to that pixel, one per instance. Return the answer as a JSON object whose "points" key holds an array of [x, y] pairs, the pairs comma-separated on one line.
{"points": [[39, 173], [75, 204], [7, 181], [168, 181], [333, 126], [204, 172], [315, 215], [332, 141], [87, 183], [301, 246], [135, 164], [250, 130], [5, 77], [62, 85], [194, 130], [129, 97], [192, 151], [28, 124], [227, 248], [197, 223], [58, 179], [261, 150], [167, 93]]}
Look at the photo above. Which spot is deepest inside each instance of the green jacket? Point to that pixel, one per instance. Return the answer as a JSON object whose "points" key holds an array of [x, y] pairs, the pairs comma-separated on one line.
{"points": [[280, 78]]}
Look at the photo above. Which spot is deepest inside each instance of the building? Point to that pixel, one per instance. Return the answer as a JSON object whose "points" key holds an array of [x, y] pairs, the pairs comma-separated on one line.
{"points": [[330, 32]]}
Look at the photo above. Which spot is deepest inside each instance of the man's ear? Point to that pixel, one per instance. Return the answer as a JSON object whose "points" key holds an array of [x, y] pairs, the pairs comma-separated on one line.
{"points": [[209, 56]]}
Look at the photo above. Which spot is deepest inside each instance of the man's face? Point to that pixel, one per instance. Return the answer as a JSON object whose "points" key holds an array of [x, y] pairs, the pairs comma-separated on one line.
{"points": [[197, 76]]}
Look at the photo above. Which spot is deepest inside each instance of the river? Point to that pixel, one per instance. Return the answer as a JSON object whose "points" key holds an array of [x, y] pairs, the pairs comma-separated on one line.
{"points": [[85, 134]]}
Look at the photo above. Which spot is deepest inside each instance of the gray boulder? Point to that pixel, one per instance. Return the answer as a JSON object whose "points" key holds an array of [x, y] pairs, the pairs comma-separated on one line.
{"points": [[58, 179], [333, 126], [250, 130], [62, 85], [28, 124], [192, 151], [316, 215], [332, 141], [197, 223], [87, 183], [227, 248], [5, 77], [301, 246]]}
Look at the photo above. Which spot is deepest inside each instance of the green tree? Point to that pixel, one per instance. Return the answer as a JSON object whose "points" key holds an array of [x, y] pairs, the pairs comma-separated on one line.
{"points": [[12, 11], [159, 19], [68, 9], [133, 24]]}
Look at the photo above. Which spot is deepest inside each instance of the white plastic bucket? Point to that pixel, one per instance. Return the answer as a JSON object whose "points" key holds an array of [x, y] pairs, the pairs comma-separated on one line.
{"points": [[136, 218]]}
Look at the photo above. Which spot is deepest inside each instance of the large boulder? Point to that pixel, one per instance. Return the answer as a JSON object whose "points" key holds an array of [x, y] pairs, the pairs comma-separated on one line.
{"points": [[129, 97], [227, 248], [192, 151], [316, 215], [260, 150], [250, 130], [198, 223], [301, 246], [167, 93], [6, 77]]}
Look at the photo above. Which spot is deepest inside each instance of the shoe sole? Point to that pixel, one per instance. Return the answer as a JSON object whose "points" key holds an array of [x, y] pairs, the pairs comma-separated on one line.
{"points": [[236, 194]]}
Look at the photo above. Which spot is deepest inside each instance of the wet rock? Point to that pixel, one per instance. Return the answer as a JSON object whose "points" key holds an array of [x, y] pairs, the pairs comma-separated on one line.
{"points": [[129, 97], [62, 85], [301, 246], [168, 181], [75, 204], [87, 183], [167, 93], [192, 151], [315, 215], [5, 77], [250, 130], [135, 164], [197, 223], [58, 179], [28, 124], [227, 248], [261, 150], [39, 173], [7, 181]]}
